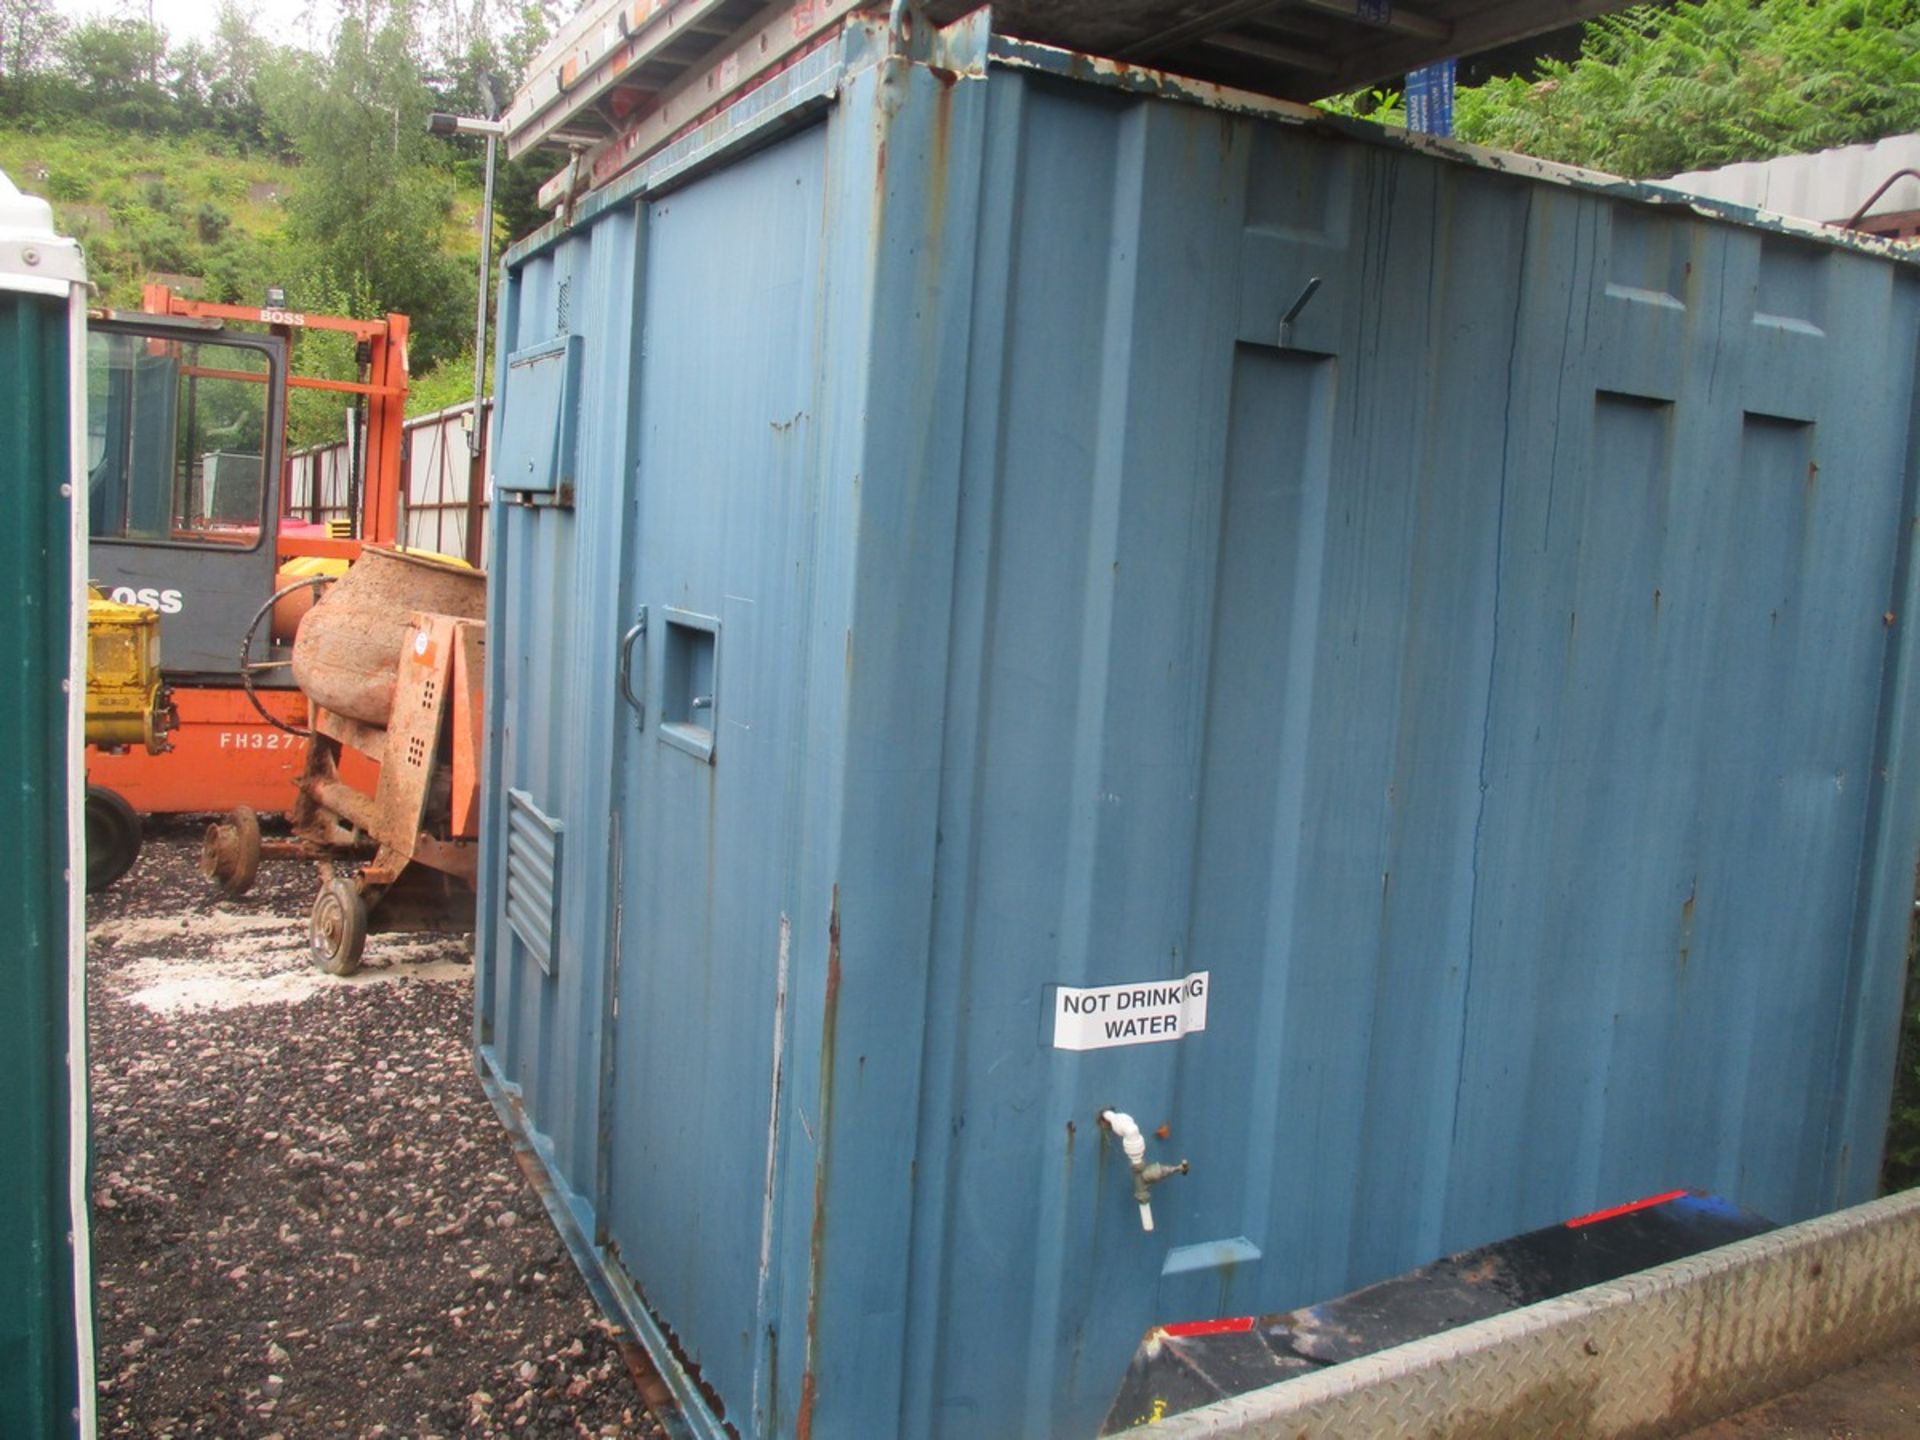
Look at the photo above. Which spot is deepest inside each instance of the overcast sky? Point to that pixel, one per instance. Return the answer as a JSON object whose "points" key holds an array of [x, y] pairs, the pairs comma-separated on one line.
{"points": [[291, 22]]}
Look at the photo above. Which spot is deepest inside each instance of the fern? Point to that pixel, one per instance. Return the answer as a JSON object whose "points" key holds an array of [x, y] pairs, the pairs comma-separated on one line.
{"points": [[1710, 82], [1383, 107]]}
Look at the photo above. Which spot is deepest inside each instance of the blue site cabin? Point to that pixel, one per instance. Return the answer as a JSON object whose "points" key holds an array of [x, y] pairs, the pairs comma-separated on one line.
{"points": [[978, 528]]}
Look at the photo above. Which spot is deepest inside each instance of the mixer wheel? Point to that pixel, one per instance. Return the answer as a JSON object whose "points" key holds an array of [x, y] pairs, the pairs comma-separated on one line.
{"points": [[337, 930], [230, 851]]}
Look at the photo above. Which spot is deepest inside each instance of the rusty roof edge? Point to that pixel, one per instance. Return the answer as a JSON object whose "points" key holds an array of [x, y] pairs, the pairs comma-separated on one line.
{"points": [[815, 81], [781, 100], [1141, 80], [592, 44]]}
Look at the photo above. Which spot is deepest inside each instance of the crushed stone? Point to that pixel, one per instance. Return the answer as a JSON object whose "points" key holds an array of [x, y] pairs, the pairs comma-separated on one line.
{"points": [[301, 1196]]}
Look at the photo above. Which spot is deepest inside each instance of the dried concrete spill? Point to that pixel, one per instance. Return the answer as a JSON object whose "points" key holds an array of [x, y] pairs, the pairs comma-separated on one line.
{"points": [[241, 960]]}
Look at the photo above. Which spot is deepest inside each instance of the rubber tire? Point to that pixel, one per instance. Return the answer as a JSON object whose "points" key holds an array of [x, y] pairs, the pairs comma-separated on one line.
{"points": [[246, 826], [113, 837], [337, 929]]}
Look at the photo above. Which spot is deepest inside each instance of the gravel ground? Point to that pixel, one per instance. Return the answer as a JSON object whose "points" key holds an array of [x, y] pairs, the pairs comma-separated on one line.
{"points": [[1878, 1399], [307, 1218]]}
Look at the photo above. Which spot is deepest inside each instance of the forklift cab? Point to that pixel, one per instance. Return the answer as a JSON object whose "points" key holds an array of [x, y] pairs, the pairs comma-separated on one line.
{"points": [[185, 444]]}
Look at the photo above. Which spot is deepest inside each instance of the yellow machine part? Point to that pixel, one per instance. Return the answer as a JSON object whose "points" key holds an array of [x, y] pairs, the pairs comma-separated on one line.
{"points": [[293, 604], [126, 702], [454, 560]]}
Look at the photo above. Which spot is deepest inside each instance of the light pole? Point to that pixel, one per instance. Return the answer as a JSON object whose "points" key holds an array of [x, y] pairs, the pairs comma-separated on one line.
{"points": [[440, 123]]}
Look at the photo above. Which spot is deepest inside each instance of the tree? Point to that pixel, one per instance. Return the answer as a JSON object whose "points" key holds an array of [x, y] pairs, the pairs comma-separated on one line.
{"points": [[516, 194], [508, 32], [114, 68], [188, 80], [30, 32], [1656, 91], [503, 61], [236, 58], [534, 26], [374, 205]]}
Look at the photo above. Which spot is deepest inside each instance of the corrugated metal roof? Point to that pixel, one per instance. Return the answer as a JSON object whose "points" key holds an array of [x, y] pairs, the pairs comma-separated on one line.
{"points": [[638, 161], [1297, 49], [621, 62], [1829, 186]]}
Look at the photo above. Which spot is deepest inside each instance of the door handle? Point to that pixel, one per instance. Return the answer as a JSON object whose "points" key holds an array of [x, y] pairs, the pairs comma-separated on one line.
{"points": [[634, 632]]}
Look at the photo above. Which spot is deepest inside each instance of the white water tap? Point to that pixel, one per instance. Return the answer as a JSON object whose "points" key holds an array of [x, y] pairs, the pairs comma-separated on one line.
{"points": [[1134, 1145]]}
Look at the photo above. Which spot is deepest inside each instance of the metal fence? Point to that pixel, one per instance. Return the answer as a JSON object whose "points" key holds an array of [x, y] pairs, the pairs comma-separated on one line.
{"points": [[438, 510]]}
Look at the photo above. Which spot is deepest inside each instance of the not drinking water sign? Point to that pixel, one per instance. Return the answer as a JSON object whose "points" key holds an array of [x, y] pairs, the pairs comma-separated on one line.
{"points": [[1139, 1014]]}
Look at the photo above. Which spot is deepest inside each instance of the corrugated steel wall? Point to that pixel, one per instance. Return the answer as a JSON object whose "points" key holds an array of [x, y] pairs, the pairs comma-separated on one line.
{"points": [[1499, 684], [38, 1326], [1828, 185], [325, 466]]}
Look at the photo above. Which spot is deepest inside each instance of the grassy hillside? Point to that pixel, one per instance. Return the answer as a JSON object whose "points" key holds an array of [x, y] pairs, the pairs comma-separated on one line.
{"points": [[154, 206], [211, 222]]}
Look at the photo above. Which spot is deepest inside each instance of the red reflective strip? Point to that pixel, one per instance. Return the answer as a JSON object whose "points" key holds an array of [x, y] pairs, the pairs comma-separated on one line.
{"points": [[1597, 1216], [1237, 1326]]}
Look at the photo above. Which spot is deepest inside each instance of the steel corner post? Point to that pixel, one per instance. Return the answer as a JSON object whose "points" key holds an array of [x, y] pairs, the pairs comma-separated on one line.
{"points": [[906, 167], [1876, 982]]}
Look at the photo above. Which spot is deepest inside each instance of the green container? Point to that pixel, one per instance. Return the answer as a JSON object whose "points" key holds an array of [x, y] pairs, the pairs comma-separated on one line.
{"points": [[46, 1360]]}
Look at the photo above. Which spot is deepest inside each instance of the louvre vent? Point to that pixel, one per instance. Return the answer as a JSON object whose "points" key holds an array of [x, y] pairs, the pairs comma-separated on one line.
{"points": [[533, 876]]}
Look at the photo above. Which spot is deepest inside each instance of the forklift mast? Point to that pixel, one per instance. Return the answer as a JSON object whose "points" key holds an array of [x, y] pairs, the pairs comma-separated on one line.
{"points": [[188, 491], [382, 388]]}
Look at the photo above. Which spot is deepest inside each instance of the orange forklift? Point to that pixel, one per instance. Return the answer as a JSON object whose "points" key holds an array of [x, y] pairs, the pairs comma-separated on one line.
{"points": [[189, 515]]}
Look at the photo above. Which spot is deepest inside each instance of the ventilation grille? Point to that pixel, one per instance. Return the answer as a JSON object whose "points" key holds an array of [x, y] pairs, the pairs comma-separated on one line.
{"points": [[533, 876]]}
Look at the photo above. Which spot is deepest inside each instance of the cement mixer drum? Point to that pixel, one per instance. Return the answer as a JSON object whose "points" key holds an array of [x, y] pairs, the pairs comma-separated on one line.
{"points": [[346, 656]]}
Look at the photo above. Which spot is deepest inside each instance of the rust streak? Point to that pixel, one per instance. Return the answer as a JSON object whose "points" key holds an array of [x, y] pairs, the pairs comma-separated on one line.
{"points": [[653, 1390], [937, 170], [803, 1421], [690, 1367], [639, 1365], [1686, 922], [803, 1426]]}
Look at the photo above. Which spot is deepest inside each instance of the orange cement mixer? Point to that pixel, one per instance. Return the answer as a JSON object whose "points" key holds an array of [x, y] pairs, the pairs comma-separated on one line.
{"points": [[390, 659]]}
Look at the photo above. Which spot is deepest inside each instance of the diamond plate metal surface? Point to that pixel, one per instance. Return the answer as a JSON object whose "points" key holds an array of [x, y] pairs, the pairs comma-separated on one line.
{"points": [[1653, 1354]]}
